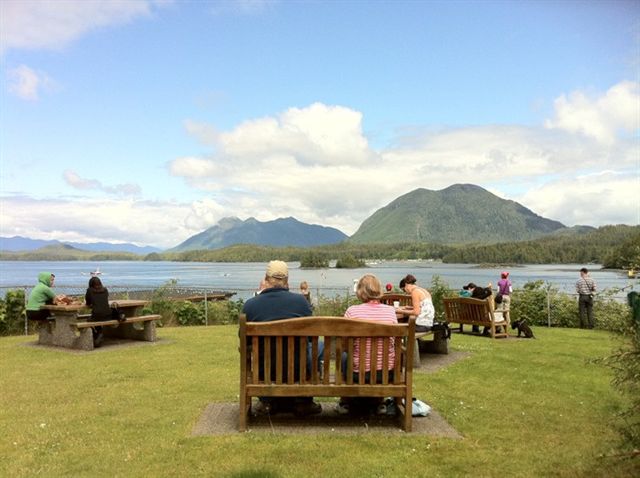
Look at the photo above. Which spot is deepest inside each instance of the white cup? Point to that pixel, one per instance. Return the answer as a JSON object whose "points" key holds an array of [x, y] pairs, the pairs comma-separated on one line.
{"points": [[396, 304]]}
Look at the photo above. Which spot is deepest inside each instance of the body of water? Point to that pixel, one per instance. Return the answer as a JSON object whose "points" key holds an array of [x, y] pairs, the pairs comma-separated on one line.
{"points": [[243, 278]]}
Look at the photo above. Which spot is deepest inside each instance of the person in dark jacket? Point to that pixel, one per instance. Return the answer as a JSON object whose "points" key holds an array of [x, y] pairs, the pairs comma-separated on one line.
{"points": [[276, 302], [97, 297]]}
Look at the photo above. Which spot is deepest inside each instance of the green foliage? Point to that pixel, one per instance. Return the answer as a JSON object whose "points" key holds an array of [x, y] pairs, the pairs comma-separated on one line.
{"points": [[64, 252], [12, 312], [461, 213], [334, 306], [625, 363], [558, 248], [626, 256], [349, 262], [439, 289], [153, 256], [162, 304], [314, 259], [224, 312], [188, 313]]}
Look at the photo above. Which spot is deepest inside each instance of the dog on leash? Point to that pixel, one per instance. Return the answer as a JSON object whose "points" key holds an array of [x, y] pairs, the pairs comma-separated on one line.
{"points": [[523, 328]]}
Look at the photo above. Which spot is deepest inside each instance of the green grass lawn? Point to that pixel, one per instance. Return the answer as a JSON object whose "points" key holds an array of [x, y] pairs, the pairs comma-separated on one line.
{"points": [[525, 408]]}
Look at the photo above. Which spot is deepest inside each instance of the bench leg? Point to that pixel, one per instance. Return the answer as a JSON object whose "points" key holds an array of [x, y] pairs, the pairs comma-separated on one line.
{"points": [[416, 354], [244, 412], [45, 332], [439, 344], [85, 341]]}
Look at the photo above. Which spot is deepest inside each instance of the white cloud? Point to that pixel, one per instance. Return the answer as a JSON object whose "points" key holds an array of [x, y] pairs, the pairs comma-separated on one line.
{"points": [[600, 117], [82, 219], [315, 164], [54, 24], [26, 83], [77, 182], [597, 199]]}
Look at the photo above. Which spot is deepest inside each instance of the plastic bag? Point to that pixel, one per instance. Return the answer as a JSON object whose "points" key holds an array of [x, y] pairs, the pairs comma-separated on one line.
{"points": [[419, 408]]}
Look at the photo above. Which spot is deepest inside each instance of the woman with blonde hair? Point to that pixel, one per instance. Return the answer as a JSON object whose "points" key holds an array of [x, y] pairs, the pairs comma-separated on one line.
{"points": [[369, 291]]}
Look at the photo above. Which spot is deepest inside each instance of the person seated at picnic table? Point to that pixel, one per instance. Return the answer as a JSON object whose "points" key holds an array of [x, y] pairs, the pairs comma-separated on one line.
{"points": [[421, 304], [42, 294], [276, 302], [482, 293], [369, 291], [97, 298]]}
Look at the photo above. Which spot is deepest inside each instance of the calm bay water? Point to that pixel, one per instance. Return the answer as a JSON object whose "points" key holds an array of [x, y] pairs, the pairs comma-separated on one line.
{"points": [[245, 277]]}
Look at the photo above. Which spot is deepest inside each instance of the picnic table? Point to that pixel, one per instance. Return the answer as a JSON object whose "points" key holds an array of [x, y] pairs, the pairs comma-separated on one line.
{"points": [[439, 343], [68, 326]]}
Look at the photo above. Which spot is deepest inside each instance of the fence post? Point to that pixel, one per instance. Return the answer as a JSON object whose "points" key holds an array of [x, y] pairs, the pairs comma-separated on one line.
{"points": [[548, 306], [26, 321], [206, 309]]}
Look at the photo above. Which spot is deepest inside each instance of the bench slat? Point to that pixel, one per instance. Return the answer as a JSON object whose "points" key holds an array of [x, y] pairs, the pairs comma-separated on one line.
{"points": [[129, 320]]}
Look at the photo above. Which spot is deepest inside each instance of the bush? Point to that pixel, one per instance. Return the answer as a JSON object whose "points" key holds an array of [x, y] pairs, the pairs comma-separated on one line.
{"points": [[440, 289], [12, 313], [350, 262], [625, 363], [334, 306], [188, 313], [224, 312]]}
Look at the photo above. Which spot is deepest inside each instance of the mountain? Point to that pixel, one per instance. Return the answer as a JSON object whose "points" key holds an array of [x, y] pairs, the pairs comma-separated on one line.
{"points": [[461, 213], [18, 243], [279, 233]]}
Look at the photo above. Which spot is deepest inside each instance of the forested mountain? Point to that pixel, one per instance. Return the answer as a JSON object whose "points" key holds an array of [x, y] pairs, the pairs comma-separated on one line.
{"points": [[462, 213], [65, 252], [593, 247], [278, 233]]}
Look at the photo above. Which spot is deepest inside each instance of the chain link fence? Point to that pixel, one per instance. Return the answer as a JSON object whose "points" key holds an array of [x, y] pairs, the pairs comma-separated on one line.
{"points": [[542, 305]]}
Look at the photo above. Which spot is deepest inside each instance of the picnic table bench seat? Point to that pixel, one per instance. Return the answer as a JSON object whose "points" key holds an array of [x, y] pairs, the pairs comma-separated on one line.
{"points": [[290, 376], [77, 334], [466, 310]]}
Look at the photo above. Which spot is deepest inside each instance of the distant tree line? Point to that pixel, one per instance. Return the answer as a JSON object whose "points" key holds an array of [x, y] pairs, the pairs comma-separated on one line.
{"points": [[614, 246]]}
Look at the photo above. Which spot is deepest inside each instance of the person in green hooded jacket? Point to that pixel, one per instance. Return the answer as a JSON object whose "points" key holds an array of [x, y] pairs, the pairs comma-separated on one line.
{"points": [[40, 295]]}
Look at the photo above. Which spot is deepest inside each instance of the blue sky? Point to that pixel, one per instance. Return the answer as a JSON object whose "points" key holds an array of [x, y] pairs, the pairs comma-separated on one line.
{"points": [[149, 121]]}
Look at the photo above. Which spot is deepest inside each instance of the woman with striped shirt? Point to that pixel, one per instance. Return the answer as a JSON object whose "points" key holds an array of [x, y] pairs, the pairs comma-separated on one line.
{"points": [[369, 291]]}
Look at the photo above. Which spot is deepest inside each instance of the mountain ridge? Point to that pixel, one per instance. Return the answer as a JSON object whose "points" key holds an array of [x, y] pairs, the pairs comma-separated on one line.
{"points": [[277, 233], [458, 214]]}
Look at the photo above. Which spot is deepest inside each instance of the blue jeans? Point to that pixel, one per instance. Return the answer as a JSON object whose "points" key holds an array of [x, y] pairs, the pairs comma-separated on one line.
{"points": [[320, 354]]}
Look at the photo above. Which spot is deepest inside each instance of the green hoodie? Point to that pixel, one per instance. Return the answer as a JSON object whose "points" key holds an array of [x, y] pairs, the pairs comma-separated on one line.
{"points": [[41, 293]]}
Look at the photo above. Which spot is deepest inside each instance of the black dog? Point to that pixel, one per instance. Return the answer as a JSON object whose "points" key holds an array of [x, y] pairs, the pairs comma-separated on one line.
{"points": [[523, 328]]}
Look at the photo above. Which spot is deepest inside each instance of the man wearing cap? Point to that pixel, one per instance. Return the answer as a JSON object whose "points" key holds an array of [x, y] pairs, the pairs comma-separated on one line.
{"points": [[276, 302]]}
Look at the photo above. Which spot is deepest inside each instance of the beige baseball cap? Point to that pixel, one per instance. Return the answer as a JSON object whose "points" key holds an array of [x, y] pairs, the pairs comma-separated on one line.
{"points": [[278, 270]]}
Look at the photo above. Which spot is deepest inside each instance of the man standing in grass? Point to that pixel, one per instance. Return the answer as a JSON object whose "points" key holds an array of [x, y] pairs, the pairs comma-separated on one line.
{"points": [[585, 287], [276, 302]]}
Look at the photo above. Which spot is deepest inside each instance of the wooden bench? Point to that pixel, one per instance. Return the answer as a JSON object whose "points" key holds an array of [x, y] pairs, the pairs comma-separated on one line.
{"points": [[465, 310], [439, 344], [291, 378]]}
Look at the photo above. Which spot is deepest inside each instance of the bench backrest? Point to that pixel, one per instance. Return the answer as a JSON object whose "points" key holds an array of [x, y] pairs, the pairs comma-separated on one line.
{"points": [[258, 340], [465, 310]]}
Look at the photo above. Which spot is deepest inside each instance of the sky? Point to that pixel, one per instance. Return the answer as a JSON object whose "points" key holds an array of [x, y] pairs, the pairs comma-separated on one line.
{"points": [[148, 121]]}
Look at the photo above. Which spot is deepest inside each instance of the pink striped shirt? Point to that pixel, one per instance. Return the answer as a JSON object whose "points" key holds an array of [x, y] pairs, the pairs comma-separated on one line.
{"points": [[375, 312]]}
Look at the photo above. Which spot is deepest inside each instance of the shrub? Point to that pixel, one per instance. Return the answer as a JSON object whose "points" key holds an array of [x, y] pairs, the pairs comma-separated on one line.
{"points": [[440, 289], [625, 363], [224, 312], [12, 313], [188, 313], [334, 306]]}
